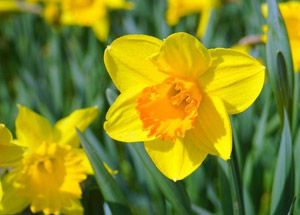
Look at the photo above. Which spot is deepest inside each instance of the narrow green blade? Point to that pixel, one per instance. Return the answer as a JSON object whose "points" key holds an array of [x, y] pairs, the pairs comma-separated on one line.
{"points": [[112, 193], [283, 184], [279, 60]]}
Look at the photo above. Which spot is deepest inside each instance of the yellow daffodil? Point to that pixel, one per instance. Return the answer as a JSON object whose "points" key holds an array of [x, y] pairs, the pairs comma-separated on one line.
{"points": [[48, 176], [180, 8], [176, 96], [290, 13], [8, 6], [92, 13]]}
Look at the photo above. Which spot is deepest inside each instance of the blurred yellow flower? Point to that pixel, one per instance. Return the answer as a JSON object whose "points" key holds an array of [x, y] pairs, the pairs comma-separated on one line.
{"points": [[176, 96], [290, 13], [52, 13], [8, 6], [48, 176], [180, 8], [91, 13]]}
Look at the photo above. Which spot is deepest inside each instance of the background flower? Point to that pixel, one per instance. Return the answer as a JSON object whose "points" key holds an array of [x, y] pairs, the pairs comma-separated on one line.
{"points": [[180, 8], [290, 13]]}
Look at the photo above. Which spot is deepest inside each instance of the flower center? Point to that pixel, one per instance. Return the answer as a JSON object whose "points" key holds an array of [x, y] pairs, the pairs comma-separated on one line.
{"points": [[50, 177], [170, 108], [45, 165]]}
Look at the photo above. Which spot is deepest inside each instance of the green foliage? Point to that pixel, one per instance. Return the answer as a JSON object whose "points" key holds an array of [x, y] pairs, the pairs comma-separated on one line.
{"points": [[111, 192], [55, 71]]}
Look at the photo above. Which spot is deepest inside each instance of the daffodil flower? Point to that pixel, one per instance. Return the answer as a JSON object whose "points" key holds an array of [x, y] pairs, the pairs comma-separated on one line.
{"points": [[92, 13], [290, 13], [7, 6], [176, 96], [48, 175], [180, 8]]}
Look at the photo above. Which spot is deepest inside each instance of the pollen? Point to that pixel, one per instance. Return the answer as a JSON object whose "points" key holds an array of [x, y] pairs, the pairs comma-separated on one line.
{"points": [[169, 109]]}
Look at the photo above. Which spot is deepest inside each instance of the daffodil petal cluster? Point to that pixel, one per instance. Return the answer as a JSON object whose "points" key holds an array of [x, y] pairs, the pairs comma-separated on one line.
{"points": [[290, 13], [85, 13], [180, 8], [176, 97], [50, 164]]}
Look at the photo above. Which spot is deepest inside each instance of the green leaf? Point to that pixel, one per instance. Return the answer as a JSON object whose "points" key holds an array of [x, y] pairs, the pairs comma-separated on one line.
{"points": [[297, 172], [112, 193], [296, 103], [279, 60], [173, 192], [225, 187], [283, 184], [111, 96]]}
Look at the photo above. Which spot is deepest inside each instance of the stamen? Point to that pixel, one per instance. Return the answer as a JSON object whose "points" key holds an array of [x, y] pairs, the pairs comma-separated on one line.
{"points": [[169, 109]]}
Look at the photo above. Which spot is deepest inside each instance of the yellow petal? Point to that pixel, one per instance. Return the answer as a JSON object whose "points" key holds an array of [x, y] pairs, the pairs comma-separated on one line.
{"points": [[295, 46], [119, 4], [242, 48], [11, 153], [85, 161], [66, 128], [75, 208], [12, 202], [176, 160], [128, 63], [172, 13], [1, 192], [183, 56], [212, 132], [235, 77], [5, 135], [264, 9], [87, 15], [101, 29], [123, 122], [181, 8], [32, 129], [52, 14], [203, 22]]}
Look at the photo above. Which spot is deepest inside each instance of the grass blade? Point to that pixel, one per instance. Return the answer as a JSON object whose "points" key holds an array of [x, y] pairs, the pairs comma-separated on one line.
{"points": [[112, 194], [279, 60], [283, 184]]}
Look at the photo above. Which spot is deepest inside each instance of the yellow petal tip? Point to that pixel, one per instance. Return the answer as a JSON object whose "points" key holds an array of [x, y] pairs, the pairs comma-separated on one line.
{"points": [[225, 158]]}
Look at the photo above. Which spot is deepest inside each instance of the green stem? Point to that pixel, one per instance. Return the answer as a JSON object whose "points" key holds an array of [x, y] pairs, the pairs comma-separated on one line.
{"points": [[296, 105], [237, 190]]}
